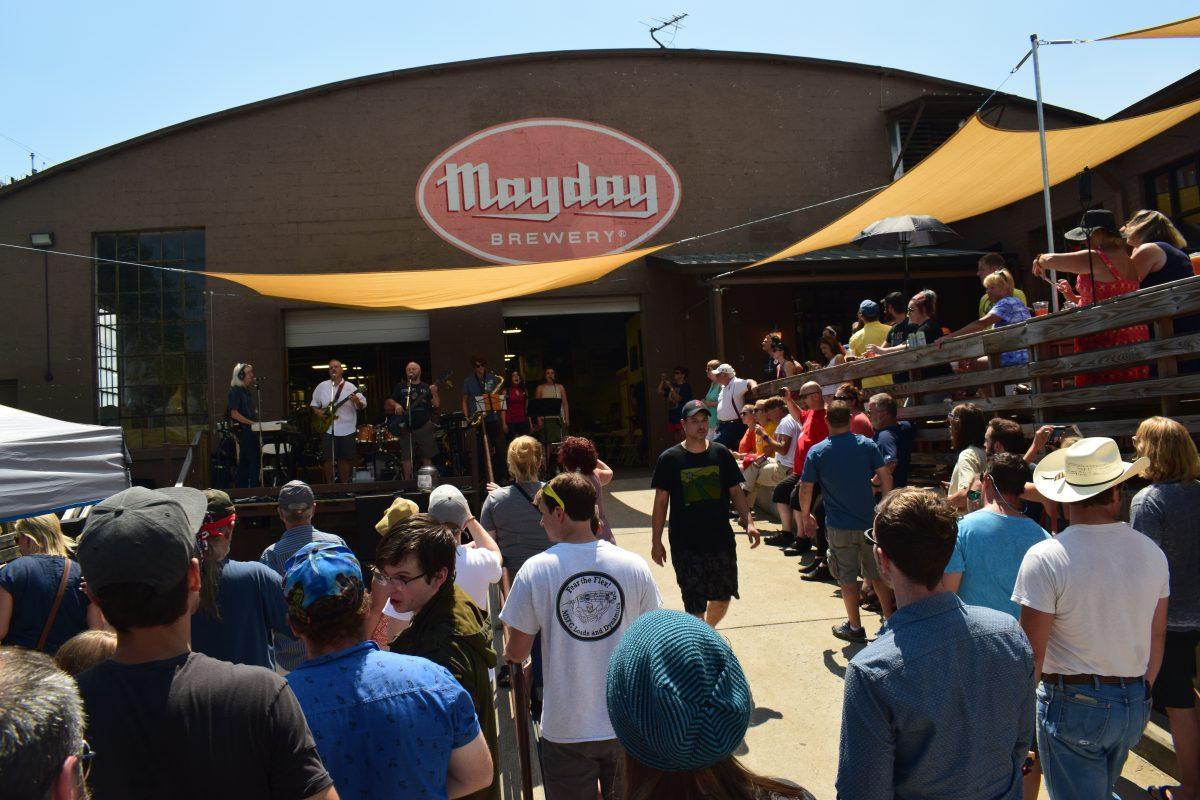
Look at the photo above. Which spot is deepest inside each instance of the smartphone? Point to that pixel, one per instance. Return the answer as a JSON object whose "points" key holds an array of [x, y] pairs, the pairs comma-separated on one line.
{"points": [[1062, 431]]}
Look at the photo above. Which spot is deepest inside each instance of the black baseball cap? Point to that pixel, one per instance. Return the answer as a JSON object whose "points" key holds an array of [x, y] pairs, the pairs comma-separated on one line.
{"points": [[142, 536], [694, 407]]}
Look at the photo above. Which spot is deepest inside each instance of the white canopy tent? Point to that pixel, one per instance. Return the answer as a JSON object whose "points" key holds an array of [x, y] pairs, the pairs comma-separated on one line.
{"points": [[50, 465]]}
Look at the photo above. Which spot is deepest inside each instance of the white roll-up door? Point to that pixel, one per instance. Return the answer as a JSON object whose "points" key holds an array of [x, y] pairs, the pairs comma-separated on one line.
{"points": [[323, 326], [572, 305]]}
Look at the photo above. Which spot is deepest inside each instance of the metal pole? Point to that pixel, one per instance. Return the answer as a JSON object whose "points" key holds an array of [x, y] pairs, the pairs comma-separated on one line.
{"points": [[1041, 120], [49, 375]]}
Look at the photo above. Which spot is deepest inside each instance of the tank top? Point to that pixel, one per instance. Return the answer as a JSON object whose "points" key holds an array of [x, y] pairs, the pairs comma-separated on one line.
{"points": [[1177, 267]]}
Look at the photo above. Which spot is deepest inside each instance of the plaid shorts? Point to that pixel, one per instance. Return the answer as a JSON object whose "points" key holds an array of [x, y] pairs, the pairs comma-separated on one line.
{"points": [[705, 576]]}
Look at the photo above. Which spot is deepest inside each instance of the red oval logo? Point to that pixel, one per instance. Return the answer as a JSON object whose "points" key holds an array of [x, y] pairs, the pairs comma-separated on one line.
{"points": [[547, 189]]}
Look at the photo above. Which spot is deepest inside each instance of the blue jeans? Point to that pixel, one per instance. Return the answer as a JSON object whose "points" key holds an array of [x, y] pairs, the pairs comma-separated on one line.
{"points": [[1084, 733], [247, 466]]}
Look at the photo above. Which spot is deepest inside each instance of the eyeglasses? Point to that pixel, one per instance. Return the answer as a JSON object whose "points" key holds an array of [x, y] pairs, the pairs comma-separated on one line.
{"points": [[397, 581], [85, 760]]}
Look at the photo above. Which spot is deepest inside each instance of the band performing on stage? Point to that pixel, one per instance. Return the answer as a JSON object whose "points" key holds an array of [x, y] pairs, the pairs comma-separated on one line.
{"points": [[334, 439]]}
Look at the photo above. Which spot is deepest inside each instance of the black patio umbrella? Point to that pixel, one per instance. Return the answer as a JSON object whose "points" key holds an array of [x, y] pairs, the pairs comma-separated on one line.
{"points": [[901, 233]]}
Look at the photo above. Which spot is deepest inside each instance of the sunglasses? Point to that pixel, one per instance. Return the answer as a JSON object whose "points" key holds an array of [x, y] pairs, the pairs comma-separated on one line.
{"points": [[548, 492], [809, 394], [869, 534]]}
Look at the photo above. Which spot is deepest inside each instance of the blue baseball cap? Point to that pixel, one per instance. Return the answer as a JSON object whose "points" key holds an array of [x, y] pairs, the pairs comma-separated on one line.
{"points": [[869, 309], [319, 570]]}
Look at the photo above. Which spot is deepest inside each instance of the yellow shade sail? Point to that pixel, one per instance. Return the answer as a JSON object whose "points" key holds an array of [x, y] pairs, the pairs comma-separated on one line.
{"points": [[425, 289], [1183, 29], [981, 168]]}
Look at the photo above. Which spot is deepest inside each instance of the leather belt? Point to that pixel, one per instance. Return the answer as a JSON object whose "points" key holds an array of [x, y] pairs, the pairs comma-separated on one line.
{"points": [[1051, 677]]}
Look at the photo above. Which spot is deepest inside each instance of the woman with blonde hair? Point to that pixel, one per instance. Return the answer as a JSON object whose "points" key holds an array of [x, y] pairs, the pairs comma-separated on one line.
{"points": [[42, 603], [1159, 258], [1005, 309], [508, 513], [1165, 511]]}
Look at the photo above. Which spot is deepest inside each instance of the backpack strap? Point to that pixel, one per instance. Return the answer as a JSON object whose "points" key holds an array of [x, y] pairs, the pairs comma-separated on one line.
{"points": [[62, 589]]}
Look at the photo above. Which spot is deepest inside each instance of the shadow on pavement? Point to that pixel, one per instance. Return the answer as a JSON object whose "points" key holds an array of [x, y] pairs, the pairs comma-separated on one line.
{"points": [[848, 652], [758, 716]]}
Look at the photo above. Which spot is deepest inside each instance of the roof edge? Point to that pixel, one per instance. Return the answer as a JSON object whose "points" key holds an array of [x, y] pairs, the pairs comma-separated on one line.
{"points": [[433, 69]]}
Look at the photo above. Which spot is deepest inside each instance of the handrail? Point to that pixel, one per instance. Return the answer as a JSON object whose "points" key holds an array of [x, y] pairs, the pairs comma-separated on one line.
{"points": [[1137, 308], [186, 467], [520, 701]]}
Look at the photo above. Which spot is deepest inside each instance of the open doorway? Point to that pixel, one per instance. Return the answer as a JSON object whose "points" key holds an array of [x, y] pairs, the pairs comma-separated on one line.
{"points": [[598, 359]]}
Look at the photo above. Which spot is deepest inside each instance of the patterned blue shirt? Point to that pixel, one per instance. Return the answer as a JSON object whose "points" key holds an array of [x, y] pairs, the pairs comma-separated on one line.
{"points": [[940, 706], [289, 652], [384, 724]]}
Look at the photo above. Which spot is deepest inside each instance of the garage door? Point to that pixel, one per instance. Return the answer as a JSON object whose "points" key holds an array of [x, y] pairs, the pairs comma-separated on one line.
{"points": [[325, 326], [575, 305]]}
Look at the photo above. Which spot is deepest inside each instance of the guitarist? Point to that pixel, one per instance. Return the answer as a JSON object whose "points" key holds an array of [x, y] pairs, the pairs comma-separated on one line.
{"points": [[410, 412], [337, 403]]}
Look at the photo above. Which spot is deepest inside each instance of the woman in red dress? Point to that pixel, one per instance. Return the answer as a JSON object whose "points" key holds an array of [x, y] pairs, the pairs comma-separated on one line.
{"points": [[516, 418], [1106, 256]]}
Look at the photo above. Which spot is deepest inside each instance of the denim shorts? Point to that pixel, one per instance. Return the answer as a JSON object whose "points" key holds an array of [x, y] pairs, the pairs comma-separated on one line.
{"points": [[1085, 732]]}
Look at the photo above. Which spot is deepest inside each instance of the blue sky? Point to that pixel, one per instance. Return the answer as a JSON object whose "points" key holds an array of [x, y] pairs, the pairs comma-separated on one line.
{"points": [[75, 77]]}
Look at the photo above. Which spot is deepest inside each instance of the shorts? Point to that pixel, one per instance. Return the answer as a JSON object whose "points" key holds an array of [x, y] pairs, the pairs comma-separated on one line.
{"points": [[850, 555], [424, 443], [1174, 687], [783, 490], [344, 447], [705, 576], [570, 770]]}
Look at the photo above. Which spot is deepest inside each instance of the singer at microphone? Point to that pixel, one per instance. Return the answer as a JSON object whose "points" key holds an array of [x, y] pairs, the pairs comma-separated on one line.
{"points": [[240, 411], [411, 410]]}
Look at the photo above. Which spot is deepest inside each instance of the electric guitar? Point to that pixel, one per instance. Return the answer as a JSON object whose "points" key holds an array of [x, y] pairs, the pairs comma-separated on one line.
{"points": [[326, 422]]}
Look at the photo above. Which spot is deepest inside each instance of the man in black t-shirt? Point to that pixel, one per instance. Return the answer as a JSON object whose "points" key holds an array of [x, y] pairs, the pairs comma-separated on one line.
{"points": [[410, 412], [696, 479], [162, 720]]}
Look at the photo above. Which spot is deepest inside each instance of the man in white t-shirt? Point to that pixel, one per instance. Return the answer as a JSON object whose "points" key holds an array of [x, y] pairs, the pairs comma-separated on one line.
{"points": [[581, 595], [341, 399], [1094, 606]]}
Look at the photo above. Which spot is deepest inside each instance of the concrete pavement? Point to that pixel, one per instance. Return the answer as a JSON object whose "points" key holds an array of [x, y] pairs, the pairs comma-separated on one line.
{"points": [[780, 630]]}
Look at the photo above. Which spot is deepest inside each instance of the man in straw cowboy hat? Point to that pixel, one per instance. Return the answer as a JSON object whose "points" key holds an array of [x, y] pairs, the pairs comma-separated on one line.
{"points": [[1094, 605]]}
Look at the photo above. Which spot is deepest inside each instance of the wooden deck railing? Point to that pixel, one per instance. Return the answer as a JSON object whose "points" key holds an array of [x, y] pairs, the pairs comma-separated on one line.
{"points": [[194, 470], [1110, 409]]}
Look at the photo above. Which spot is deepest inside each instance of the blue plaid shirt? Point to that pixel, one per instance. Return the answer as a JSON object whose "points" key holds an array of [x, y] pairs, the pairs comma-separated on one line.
{"points": [[289, 652], [941, 705]]}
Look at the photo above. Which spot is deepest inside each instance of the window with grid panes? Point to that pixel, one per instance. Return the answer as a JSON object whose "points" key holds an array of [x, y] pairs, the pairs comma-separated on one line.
{"points": [[1175, 191], [151, 336]]}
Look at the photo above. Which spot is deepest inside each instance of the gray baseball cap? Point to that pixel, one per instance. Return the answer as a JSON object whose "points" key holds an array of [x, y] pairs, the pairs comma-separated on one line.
{"points": [[448, 506], [296, 496], [142, 536]]}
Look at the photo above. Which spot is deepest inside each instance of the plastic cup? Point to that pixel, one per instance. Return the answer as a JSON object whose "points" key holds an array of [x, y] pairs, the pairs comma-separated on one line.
{"points": [[1040, 308]]}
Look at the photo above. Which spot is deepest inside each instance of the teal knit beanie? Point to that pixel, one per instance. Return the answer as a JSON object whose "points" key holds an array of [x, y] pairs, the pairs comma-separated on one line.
{"points": [[677, 697]]}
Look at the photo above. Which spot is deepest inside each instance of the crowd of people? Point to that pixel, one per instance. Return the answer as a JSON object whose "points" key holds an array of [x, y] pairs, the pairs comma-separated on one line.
{"points": [[1033, 612]]}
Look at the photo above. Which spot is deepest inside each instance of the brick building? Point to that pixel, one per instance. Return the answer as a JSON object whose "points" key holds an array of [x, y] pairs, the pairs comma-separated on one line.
{"points": [[326, 179]]}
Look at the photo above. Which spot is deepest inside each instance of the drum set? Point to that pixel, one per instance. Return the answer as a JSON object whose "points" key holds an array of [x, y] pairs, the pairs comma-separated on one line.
{"points": [[382, 453]]}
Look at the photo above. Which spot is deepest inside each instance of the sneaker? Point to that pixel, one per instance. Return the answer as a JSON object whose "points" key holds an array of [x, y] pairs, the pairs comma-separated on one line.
{"points": [[849, 633], [781, 539], [821, 573], [799, 548]]}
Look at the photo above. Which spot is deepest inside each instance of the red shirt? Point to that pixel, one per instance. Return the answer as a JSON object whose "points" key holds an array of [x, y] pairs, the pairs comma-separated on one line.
{"points": [[515, 412], [816, 429], [860, 423]]}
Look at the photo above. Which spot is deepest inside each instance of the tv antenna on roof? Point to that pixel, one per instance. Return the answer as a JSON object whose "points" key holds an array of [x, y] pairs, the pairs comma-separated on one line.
{"points": [[664, 24]]}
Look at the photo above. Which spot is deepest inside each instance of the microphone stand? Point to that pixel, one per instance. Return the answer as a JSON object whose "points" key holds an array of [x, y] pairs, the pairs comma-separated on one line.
{"points": [[258, 403], [408, 412]]}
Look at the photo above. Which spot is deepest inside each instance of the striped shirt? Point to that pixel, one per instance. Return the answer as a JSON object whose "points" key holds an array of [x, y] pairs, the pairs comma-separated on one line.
{"points": [[289, 652]]}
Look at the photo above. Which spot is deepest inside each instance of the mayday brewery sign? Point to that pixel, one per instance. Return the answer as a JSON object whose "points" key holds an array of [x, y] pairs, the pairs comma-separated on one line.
{"points": [[547, 189]]}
